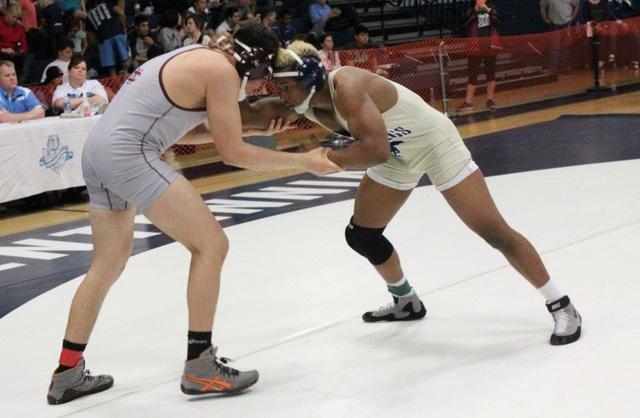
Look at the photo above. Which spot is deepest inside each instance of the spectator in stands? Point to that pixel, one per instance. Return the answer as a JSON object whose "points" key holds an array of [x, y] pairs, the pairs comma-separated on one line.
{"points": [[36, 38], [624, 9], [320, 13], [330, 58], [201, 9], [29, 15], [286, 31], [171, 33], [105, 20], [140, 40], [399, 139], [54, 77], [482, 48], [230, 23], [215, 13], [78, 90], [340, 21], [269, 18], [363, 53], [53, 24], [246, 14], [74, 9], [64, 53], [17, 103], [606, 17], [558, 15], [194, 31], [13, 38], [79, 37]]}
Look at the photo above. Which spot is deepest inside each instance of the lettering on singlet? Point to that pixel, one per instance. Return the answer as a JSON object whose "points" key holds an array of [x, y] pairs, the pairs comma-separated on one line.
{"points": [[393, 136]]}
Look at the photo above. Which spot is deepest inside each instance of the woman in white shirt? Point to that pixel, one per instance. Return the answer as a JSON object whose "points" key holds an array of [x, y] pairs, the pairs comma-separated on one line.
{"points": [[330, 58], [78, 88], [194, 31]]}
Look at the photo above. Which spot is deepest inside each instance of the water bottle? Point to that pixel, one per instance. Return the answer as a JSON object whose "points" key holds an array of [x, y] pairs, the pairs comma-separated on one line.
{"points": [[66, 105]]}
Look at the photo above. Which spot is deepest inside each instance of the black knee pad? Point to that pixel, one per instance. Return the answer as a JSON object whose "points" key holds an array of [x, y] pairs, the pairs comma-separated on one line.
{"points": [[368, 242]]}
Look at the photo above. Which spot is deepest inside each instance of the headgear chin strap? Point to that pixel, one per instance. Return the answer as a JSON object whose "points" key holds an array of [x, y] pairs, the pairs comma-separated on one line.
{"points": [[304, 106], [310, 74], [251, 64]]}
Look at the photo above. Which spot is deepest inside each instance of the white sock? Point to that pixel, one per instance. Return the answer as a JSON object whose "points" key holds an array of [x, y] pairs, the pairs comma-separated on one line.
{"points": [[550, 291]]}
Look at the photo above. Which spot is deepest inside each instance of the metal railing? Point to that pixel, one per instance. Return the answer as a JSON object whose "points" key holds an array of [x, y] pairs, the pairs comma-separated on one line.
{"points": [[440, 15]]}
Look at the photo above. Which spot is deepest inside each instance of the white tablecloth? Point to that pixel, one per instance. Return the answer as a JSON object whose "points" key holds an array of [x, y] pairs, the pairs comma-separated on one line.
{"points": [[41, 155]]}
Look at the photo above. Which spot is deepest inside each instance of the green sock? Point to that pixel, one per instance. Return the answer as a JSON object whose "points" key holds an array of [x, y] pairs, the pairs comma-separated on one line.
{"points": [[400, 288]]}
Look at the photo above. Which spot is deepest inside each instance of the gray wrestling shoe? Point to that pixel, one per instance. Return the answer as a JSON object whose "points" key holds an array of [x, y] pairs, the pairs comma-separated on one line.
{"points": [[403, 308], [74, 383], [209, 374], [567, 320]]}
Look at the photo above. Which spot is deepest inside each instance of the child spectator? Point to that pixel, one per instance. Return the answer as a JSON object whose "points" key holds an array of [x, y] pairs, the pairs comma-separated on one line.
{"points": [[78, 36], [141, 40], [330, 58], [194, 31], [74, 9], [360, 52], [200, 8], [64, 53]]}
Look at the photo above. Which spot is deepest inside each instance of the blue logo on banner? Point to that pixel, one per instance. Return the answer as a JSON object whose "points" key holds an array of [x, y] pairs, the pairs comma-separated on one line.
{"points": [[55, 155]]}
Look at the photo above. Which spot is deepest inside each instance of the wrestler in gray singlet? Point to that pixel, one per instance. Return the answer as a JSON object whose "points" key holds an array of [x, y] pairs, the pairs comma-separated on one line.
{"points": [[121, 159]]}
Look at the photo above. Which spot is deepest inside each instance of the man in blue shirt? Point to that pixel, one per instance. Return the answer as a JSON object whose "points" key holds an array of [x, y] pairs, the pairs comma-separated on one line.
{"points": [[16, 103]]}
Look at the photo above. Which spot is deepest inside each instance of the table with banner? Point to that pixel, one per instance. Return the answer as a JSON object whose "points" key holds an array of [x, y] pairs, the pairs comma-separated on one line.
{"points": [[41, 155]]}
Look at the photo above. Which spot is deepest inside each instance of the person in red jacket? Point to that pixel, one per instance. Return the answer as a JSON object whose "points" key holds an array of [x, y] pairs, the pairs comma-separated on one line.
{"points": [[13, 38]]}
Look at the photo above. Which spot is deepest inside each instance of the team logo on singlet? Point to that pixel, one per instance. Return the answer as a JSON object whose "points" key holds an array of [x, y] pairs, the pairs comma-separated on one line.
{"points": [[55, 156], [393, 136], [132, 77]]}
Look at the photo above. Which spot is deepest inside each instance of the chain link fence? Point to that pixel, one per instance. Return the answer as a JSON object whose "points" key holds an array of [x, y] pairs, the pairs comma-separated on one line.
{"points": [[528, 68]]}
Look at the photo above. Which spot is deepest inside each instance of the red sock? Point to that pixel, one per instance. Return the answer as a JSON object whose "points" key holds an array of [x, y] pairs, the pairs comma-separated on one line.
{"points": [[71, 354], [70, 358]]}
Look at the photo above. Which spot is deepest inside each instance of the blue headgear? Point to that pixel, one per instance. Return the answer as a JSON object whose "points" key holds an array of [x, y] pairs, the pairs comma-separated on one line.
{"points": [[310, 74]]}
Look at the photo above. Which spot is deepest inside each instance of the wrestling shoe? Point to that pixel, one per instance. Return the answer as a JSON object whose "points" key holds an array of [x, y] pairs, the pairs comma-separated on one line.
{"points": [[403, 308], [567, 320], [209, 374], [74, 383]]}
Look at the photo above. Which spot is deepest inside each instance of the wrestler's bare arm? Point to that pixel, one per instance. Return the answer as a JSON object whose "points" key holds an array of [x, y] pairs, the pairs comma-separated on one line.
{"points": [[259, 114], [226, 129], [267, 116], [364, 122]]}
